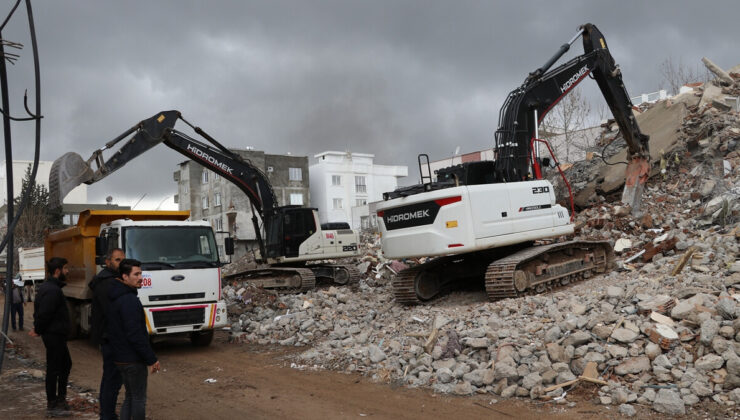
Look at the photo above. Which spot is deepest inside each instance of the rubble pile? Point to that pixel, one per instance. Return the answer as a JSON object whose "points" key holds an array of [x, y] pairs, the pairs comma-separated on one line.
{"points": [[661, 330]]}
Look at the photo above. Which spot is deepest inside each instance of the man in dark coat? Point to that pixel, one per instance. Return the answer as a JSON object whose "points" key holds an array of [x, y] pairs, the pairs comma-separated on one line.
{"points": [[111, 381], [51, 322], [129, 338]]}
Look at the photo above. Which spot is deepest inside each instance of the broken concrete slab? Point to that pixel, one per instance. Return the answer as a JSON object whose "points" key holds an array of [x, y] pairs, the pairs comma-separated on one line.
{"points": [[711, 93], [661, 123]]}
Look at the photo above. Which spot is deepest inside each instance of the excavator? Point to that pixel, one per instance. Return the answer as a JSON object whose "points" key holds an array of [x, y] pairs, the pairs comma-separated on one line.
{"points": [[484, 220], [294, 247]]}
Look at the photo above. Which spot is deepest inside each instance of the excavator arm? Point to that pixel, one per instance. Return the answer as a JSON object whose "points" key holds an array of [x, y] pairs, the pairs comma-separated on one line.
{"points": [[70, 170], [526, 107]]}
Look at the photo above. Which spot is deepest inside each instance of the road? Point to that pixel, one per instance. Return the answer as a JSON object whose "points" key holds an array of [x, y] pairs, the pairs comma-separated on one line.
{"points": [[258, 383]]}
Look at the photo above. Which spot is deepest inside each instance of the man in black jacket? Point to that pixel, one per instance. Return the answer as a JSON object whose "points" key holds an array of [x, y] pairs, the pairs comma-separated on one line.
{"points": [[129, 338], [51, 322], [111, 381]]}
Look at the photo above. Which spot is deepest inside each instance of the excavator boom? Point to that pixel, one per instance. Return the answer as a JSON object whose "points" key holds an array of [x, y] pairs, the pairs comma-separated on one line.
{"points": [[70, 170], [526, 107]]}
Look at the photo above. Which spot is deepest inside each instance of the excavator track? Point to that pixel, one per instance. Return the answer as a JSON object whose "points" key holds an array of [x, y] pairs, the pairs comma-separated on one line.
{"points": [[530, 270], [280, 279], [354, 275], [547, 267], [340, 274], [403, 286]]}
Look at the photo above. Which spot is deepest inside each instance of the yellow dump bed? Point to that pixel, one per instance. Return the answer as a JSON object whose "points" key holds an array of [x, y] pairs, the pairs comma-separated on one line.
{"points": [[77, 243]]}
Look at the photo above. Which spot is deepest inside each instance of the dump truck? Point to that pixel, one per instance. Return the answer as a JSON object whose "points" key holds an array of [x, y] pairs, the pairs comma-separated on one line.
{"points": [[181, 291], [31, 268]]}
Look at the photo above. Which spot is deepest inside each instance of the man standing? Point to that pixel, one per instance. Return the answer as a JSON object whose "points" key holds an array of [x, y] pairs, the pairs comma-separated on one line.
{"points": [[110, 384], [51, 322], [129, 339], [16, 305]]}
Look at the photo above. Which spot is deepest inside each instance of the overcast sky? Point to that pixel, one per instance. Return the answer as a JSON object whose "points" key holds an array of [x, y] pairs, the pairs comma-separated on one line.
{"points": [[392, 78]]}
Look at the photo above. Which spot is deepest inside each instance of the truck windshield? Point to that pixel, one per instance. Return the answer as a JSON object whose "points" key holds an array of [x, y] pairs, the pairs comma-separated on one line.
{"points": [[163, 247]]}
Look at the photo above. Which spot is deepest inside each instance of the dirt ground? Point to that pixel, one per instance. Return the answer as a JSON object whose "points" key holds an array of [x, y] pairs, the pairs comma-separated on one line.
{"points": [[259, 383]]}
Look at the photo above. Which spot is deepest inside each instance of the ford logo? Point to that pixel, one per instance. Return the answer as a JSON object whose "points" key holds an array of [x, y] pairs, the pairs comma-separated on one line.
{"points": [[178, 277]]}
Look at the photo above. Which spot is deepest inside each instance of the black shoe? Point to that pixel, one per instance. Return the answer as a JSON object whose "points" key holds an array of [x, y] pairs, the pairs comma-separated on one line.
{"points": [[63, 404], [58, 408]]}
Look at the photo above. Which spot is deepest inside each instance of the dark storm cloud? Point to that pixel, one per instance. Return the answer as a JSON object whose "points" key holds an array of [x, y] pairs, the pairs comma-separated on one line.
{"points": [[393, 78]]}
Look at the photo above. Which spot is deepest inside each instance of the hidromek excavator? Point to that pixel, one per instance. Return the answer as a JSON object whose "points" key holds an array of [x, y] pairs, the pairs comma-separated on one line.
{"points": [[293, 245], [482, 218]]}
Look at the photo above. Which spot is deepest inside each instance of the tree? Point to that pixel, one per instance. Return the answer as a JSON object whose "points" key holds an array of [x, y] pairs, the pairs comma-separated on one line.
{"points": [[562, 123], [678, 74], [37, 216]]}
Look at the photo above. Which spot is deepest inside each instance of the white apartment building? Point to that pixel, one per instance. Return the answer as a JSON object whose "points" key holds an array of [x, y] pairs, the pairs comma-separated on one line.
{"points": [[76, 196], [343, 183]]}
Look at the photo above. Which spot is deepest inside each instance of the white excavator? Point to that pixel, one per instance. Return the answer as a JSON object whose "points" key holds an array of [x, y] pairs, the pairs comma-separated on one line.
{"points": [[482, 219], [293, 247]]}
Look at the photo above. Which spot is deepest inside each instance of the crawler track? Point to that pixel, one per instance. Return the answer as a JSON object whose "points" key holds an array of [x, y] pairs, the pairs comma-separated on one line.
{"points": [[403, 286], [280, 279], [544, 268], [530, 270]]}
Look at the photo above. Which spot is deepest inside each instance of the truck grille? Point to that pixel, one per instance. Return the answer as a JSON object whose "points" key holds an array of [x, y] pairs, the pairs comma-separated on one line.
{"points": [[159, 298], [179, 317]]}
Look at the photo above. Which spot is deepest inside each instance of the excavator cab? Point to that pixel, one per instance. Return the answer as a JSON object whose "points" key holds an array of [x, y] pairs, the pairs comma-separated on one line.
{"points": [[287, 229]]}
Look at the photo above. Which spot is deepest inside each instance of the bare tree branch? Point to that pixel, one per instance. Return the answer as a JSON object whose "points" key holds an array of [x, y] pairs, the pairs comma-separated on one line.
{"points": [[564, 121]]}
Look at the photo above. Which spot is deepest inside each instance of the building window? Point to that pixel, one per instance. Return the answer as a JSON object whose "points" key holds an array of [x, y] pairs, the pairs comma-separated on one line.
{"points": [[336, 180], [205, 202], [360, 202], [221, 251], [295, 174], [360, 186], [337, 203], [296, 199], [216, 176], [216, 199], [204, 178], [218, 224]]}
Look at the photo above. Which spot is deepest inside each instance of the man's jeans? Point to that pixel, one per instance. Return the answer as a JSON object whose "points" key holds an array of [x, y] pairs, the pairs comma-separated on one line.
{"points": [[110, 384], [134, 379]]}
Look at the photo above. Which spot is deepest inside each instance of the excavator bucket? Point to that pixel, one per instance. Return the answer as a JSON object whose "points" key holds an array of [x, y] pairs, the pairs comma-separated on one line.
{"points": [[67, 172], [635, 177]]}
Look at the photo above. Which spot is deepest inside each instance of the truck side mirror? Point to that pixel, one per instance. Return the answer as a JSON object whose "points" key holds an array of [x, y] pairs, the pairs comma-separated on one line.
{"points": [[101, 246], [229, 245]]}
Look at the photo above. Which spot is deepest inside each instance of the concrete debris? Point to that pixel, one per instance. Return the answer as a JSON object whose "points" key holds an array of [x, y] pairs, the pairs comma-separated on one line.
{"points": [[660, 331]]}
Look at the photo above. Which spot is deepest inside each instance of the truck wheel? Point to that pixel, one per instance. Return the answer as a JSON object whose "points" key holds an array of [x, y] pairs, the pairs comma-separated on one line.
{"points": [[201, 338]]}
